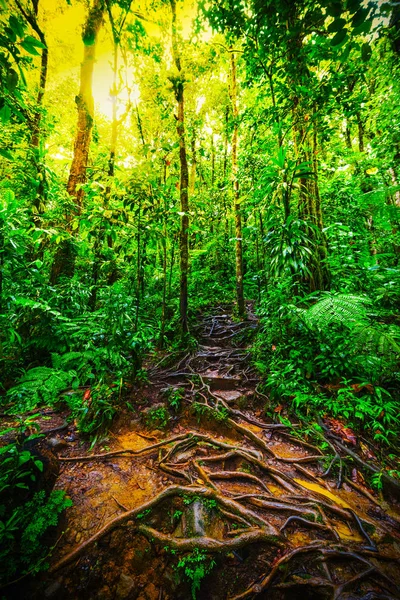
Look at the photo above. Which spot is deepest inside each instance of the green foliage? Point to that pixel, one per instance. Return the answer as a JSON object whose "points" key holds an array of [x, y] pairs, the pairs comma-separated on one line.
{"points": [[94, 412], [24, 519], [39, 386], [157, 417], [220, 414], [333, 339], [195, 567], [174, 397], [22, 530]]}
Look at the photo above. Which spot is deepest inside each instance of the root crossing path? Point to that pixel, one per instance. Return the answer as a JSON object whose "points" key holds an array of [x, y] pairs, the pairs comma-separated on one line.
{"points": [[200, 495]]}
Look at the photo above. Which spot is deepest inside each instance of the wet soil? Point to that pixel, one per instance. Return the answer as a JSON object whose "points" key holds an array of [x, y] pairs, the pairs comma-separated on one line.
{"points": [[220, 482]]}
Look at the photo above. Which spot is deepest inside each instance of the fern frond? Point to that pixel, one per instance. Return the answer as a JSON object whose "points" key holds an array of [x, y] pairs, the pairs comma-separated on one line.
{"points": [[344, 309], [379, 338]]}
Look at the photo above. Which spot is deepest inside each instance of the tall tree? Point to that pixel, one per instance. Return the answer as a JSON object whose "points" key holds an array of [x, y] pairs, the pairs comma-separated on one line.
{"points": [[85, 103], [236, 190], [31, 15], [178, 83]]}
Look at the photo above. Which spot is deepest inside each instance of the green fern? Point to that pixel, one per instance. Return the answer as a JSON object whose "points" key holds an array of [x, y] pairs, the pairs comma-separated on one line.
{"points": [[41, 385], [342, 309], [383, 339]]}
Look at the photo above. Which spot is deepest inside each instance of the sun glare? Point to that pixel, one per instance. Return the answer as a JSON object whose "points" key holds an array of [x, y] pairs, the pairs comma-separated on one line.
{"points": [[102, 83]]}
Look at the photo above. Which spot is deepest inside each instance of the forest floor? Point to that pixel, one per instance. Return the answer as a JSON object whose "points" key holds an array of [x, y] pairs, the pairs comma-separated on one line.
{"points": [[216, 501]]}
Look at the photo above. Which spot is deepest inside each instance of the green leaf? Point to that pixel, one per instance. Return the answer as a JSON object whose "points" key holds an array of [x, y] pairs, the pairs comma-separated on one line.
{"points": [[339, 38], [359, 17], [12, 80], [16, 26], [334, 9], [353, 5], [6, 154], [366, 52], [34, 42], [30, 44], [336, 25], [5, 113]]}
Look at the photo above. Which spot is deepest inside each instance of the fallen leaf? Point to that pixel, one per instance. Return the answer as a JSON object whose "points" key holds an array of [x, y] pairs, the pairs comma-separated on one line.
{"points": [[367, 452], [278, 409], [345, 433]]}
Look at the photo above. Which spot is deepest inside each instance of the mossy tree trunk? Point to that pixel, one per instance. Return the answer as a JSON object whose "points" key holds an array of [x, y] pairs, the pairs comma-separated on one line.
{"points": [[85, 103], [236, 192], [178, 86]]}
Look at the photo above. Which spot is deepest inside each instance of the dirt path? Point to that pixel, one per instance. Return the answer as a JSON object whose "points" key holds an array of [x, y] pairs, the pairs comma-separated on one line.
{"points": [[221, 503]]}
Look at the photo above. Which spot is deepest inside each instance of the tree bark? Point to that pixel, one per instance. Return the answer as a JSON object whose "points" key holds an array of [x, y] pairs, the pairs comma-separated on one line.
{"points": [[178, 86], [85, 103], [236, 194], [31, 17], [194, 163]]}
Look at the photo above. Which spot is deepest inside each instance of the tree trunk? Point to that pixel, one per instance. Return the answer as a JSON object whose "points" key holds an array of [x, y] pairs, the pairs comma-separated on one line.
{"points": [[85, 103], [361, 133], [178, 86], [194, 163], [348, 136], [236, 194], [41, 192], [114, 123]]}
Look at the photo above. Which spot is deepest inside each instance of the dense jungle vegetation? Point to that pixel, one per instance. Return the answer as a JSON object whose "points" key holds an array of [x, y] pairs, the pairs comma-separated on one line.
{"points": [[159, 159]]}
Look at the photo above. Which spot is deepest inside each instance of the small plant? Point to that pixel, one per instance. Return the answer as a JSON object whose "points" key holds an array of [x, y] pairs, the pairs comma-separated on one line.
{"points": [[196, 566], [174, 398], [220, 414], [95, 412], [157, 417]]}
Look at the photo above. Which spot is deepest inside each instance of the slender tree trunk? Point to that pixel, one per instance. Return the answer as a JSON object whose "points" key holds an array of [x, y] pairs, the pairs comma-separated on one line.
{"points": [[236, 194], [193, 165], [361, 132], [178, 85], [114, 123], [212, 162], [85, 103], [31, 17], [348, 136]]}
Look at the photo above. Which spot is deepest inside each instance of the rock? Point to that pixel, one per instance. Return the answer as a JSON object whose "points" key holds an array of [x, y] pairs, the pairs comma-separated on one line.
{"points": [[53, 590], [150, 592], [71, 438], [57, 443], [95, 476], [124, 587]]}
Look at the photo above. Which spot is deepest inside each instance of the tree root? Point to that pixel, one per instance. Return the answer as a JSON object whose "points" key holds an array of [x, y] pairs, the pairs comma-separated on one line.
{"points": [[265, 532]]}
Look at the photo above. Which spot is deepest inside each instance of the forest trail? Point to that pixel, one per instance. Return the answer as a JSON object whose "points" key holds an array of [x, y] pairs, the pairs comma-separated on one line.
{"points": [[221, 504]]}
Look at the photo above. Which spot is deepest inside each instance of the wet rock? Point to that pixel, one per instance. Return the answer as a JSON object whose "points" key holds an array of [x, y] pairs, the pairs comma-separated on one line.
{"points": [[53, 590], [71, 438], [125, 586], [57, 443]]}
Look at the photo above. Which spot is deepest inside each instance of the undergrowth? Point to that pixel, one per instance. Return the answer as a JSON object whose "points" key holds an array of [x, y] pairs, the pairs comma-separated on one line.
{"points": [[330, 353]]}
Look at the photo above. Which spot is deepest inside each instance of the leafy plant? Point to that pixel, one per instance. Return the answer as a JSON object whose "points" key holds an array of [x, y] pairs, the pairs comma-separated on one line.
{"points": [[157, 417], [196, 566]]}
